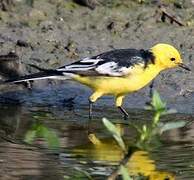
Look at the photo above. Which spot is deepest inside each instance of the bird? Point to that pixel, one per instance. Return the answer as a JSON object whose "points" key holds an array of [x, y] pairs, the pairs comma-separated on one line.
{"points": [[116, 72]]}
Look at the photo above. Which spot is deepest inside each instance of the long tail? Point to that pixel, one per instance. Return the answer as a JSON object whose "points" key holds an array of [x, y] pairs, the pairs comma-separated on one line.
{"points": [[45, 74]]}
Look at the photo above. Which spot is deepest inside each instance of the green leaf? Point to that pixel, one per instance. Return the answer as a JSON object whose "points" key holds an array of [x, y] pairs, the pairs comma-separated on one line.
{"points": [[115, 132], [30, 136], [169, 111], [81, 174], [41, 131], [124, 173], [51, 138], [172, 125], [156, 119], [157, 103]]}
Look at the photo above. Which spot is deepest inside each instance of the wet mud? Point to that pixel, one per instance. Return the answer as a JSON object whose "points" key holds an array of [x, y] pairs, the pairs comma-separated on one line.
{"points": [[53, 33]]}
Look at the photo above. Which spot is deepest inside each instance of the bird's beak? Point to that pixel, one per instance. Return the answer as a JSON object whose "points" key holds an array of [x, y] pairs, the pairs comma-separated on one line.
{"points": [[184, 66]]}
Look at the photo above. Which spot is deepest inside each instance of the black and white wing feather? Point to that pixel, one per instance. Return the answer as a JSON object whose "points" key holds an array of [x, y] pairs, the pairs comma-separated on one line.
{"points": [[118, 62]]}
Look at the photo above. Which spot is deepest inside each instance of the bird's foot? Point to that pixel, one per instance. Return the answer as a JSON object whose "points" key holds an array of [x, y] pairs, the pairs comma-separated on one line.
{"points": [[124, 112]]}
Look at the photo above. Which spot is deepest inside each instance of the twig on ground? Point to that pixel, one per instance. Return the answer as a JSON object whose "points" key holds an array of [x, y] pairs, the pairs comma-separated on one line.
{"points": [[172, 18]]}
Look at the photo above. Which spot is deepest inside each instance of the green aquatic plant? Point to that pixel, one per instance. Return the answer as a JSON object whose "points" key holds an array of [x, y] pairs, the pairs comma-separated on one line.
{"points": [[124, 173], [158, 107], [156, 127], [146, 133]]}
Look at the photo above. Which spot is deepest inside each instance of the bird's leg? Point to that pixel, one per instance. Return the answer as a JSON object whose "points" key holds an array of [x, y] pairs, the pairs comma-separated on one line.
{"points": [[93, 99], [90, 109], [119, 100], [151, 92], [126, 115], [151, 89]]}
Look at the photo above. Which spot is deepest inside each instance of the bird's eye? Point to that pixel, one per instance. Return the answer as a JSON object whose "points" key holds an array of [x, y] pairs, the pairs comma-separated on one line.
{"points": [[172, 59]]}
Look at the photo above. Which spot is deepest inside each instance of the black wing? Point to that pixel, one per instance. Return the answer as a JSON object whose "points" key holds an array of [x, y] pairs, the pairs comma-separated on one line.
{"points": [[117, 62]]}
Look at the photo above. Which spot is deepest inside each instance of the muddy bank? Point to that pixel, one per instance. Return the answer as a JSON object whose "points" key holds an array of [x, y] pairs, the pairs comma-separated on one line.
{"points": [[58, 32]]}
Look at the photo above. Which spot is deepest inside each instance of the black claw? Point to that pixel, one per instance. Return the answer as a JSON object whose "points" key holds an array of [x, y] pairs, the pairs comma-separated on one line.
{"points": [[126, 115]]}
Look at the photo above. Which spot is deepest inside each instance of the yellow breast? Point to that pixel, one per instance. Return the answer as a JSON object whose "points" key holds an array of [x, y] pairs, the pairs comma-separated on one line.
{"points": [[134, 81]]}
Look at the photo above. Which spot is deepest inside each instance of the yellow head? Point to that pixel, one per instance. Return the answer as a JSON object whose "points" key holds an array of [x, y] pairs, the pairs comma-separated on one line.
{"points": [[167, 56]]}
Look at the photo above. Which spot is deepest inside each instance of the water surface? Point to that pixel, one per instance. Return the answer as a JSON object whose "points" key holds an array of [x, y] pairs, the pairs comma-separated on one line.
{"points": [[68, 117]]}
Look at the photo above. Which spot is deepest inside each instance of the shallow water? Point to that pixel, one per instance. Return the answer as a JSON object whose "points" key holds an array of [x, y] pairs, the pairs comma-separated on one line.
{"points": [[172, 157]]}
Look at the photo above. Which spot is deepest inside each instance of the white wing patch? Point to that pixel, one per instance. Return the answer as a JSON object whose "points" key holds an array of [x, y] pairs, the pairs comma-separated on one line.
{"points": [[83, 65], [112, 69], [95, 61]]}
